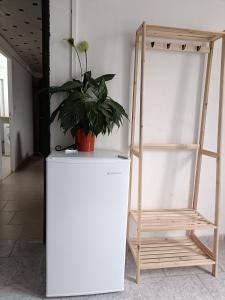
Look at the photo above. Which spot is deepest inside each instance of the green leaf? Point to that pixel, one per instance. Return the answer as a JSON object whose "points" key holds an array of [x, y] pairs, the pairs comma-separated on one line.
{"points": [[76, 95], [90, 95], [87, 76], [102, 90], [117, 107], [93, 83], [70, 114], [55, 112], [67, 86], [106, 77]]}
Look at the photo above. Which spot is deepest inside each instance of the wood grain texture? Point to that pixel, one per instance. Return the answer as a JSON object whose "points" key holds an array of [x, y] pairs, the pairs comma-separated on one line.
{"points": [[218, 160], [170, 252], [169, 219], [182, 33], [132, 151], [169, 146], [202, 129], [140, 167], [187, 251]]}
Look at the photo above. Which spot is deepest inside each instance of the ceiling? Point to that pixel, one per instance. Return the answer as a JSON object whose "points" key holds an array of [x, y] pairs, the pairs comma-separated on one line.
{"points": [[21, 26]]}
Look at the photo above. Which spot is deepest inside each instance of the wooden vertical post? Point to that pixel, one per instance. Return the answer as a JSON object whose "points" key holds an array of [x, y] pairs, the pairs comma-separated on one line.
{"points": [[202, 128], [133, 129], [140, 152], [218, 159]]}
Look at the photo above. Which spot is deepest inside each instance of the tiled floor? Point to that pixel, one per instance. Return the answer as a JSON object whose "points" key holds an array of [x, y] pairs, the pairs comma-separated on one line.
{"points": [[21, 203], [22, 276]]}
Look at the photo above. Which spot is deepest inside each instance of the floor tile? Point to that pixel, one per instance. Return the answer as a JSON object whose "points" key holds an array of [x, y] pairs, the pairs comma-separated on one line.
{"points": [[222, 254], [174, 288], [5, 217], [6, 247], [131, 292], [22, 206], [32, 232], [28, 249], [10, 232], [19, 278], [22, 195], [216, 286], [2, 204], [24, 217], [187, 270]]}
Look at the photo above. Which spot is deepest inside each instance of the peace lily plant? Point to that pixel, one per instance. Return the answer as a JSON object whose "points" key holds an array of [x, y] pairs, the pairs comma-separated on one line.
{"points": [[87, 110]]}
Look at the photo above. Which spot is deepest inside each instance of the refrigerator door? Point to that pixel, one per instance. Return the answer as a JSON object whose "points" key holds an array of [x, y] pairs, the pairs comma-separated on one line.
{"points": [[86, 226]]}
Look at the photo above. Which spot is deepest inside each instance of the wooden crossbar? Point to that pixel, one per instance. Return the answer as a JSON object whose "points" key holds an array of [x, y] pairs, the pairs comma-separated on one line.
{"points": [[202, 246], [210, 153], [168, 146]]}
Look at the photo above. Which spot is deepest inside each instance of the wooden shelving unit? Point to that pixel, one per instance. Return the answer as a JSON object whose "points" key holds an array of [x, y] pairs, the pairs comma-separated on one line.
{"points": [[153, 253]]}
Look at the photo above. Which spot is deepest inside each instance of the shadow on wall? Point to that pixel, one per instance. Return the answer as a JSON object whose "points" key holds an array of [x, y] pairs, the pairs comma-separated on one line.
{"points": [[18, 150], [19, 158]]}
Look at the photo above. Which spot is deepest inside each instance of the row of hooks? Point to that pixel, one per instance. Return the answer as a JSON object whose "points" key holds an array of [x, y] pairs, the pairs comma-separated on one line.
{"points": [[183, 47]]}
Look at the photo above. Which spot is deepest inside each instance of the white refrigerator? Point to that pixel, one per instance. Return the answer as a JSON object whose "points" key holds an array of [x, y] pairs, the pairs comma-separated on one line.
{"points": [[87, 196]]}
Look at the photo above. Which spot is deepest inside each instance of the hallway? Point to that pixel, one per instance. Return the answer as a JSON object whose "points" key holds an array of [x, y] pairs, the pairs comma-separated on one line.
{"points": [[21, 203]]}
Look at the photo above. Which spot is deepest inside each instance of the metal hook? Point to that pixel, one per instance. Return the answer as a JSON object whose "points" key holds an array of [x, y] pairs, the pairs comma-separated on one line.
{"points": [[152, 44], [168, 46], [184, 46], [198, 48]]}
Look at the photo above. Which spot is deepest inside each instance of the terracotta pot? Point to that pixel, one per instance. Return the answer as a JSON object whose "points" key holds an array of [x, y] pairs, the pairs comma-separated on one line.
{"points": [[85, 142]]}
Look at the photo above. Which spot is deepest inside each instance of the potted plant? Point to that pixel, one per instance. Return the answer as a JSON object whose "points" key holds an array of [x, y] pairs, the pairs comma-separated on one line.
{"points": [[87, 109]]}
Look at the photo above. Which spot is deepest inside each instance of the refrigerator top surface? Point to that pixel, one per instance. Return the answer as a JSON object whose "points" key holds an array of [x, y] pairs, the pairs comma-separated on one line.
{"points": [[79, 157]]}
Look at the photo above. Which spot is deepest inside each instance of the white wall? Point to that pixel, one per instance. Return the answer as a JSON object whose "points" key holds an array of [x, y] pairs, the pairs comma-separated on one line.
{"points": [[4, 104], [60, 58], [22, 119], [173, 89], [20, 102]]}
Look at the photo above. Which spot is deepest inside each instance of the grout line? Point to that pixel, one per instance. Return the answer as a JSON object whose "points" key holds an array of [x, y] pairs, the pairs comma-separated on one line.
{"points": [[19, 237], [205, 286], [14, 213], [6, 201], [190, 274], [13, 247]]}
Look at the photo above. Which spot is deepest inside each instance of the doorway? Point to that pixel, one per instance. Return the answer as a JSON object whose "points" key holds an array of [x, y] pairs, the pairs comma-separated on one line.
{"points": [[5, 115], [24, 42]]}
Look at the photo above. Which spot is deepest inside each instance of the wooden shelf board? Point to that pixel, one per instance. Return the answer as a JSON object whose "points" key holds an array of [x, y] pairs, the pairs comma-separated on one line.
{"points": [[169, 252], [168, 146], [182, 34], [170, 219]]}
